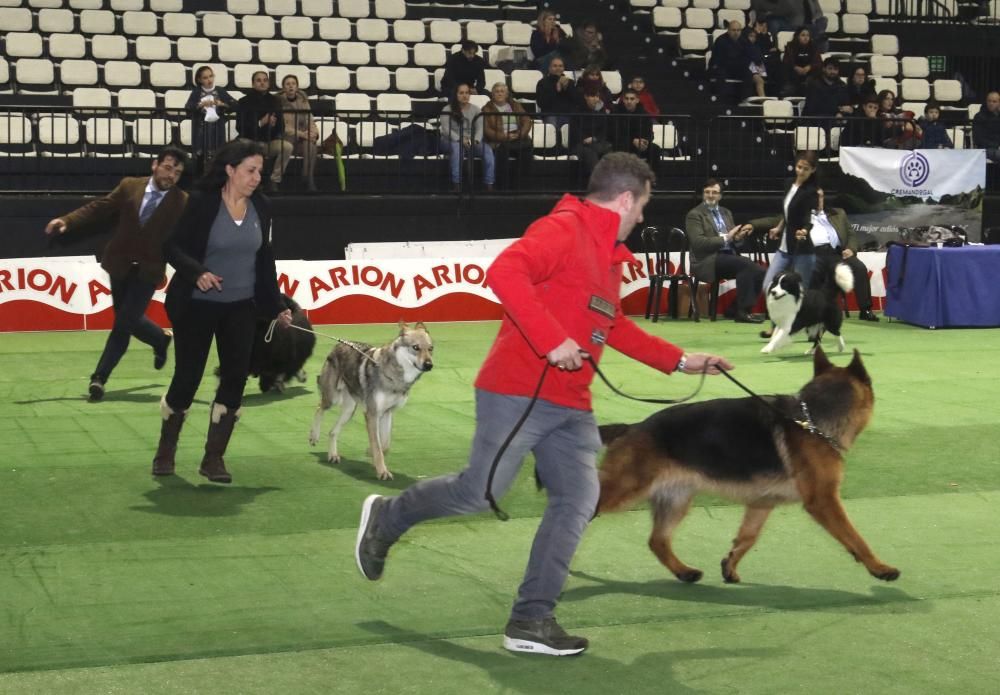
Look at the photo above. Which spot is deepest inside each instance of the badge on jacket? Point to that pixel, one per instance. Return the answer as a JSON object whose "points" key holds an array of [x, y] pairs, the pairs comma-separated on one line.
{"points": [[601, 306]]}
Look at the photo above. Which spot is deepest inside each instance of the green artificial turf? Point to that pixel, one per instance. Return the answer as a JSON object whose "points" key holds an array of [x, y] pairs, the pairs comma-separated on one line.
{"points": [[115, 582]]}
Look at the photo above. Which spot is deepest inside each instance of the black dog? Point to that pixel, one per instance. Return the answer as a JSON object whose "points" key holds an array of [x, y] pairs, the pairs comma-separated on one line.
{"points": [[283, 358]]}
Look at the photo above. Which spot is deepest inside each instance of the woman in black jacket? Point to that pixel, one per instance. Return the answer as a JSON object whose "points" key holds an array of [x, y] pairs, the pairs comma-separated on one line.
{"points": [[224, 277], [795, 249]]}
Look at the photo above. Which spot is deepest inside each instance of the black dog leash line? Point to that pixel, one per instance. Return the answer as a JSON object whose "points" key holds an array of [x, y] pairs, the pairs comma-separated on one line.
{"points": [[501, 514]]}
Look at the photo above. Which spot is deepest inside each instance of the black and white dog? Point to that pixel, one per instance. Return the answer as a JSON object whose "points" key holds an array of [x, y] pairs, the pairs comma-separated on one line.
{"points": [[792, 307]]}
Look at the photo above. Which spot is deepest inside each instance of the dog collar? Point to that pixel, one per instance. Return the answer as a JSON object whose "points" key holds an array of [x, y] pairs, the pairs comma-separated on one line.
{"points": [[809, 426]]}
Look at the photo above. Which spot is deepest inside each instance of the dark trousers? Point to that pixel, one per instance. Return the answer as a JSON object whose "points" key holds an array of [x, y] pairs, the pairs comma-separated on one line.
{"points": [[590, 154], [522, 152], [651, 155], [827, 259], [748, 275], [130, 296], [232, 325]]}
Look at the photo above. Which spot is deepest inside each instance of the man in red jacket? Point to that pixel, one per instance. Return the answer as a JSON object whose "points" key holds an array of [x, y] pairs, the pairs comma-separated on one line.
{"points": [[559, 286]]}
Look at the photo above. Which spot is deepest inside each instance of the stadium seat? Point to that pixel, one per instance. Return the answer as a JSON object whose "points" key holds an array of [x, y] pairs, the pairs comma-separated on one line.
{"points": [[373, 80], [56, 21], [164, 76], [35, 75], [316, 8], [516, 33], [724, 17], [67, 46], [371, 30], [96, 98], [221, 73], [297, 28], [274, 51], [913, 89], [493, 76], [830, 7], [151, 135], [352, 53], [412, 80], [349, 104], [810, 138], [483, 33], [301, 73], [242, 7], [16, 19], [5, 84], [279, 8], [391, 54], [429, 55], [353, 9], [140, 24], [524, 83], [22, 44], [105, 137], [668, 20], [545, 142], [333, 78], [884, 66], [693, 43], [948, 93], [916, 66], [58, 135], [881, 44], [97, 22], [445, 31], [334, 29], [256, 27], [390, 9], [120, 6], [329, 126], [80, 5], [177, 24], [153, 48], [314, 53], [122, 73], [855, 26], [367, 131], [164, 6], [699, 18], [884, 83], [235, 51], [175, 99], [397, 103], [77, 73], [218, 25], [613, 80], [194, 49], [141, 101], [109, 47], [408, 31], [778, 114], [243, 75], [15, 134], [862, 7]]}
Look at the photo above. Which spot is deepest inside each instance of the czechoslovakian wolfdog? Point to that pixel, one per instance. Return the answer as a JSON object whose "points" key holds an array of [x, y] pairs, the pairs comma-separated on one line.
{"points": [[377, 378], [743, 450]]}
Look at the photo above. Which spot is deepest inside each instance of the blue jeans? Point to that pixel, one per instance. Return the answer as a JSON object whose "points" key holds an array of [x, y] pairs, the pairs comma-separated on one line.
{"points": [[802, 264], [456, 157], [565, 444], [130, 297]]}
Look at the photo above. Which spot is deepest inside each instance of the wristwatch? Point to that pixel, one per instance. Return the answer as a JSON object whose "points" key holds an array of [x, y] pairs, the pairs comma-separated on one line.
{"points": [[681, 364]]}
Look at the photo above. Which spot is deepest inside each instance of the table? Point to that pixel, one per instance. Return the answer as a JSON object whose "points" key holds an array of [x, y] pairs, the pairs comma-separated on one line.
{"points": [[943, 287]]}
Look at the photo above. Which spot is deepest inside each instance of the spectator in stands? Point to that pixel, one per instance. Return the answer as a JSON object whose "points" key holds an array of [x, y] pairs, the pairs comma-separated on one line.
{"points": [[768, 48], [899, 129], [638, 85], [860, 87], [633, 129], [588, 132], [715, 242], [556, 94], [462, 135], [260, 120], [935, 133], [843, 248], [986, 127], [757, 64], [788, 15], [142, 212], [206, 106], [300, 130], [507, 128], [224, 279], [864, 129], [591, 79], [585, 47], [802, 60], [545, 39], [731, 60], [826, 94], [465, 67]]}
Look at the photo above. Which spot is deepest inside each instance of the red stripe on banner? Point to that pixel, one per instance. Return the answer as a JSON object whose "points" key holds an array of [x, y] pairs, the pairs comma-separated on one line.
{"points": [[458, 306], [28, 315]]}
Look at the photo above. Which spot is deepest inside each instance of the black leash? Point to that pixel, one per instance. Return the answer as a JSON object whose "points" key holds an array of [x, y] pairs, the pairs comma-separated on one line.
{"points": [[501, 514], [805, 423]]}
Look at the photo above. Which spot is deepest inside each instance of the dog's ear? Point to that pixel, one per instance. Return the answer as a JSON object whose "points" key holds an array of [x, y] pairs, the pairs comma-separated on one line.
{"points": [[857, 369], [820, 362], [402, 326], [419, 325]]}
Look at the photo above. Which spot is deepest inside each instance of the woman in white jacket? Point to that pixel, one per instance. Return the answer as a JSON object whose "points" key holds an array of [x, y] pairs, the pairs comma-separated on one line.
{"points": [[462, 132]]}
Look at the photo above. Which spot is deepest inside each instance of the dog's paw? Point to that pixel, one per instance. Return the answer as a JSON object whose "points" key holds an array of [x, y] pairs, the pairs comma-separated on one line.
{"points": [[313, 439], [690, 576], [886, 573], [334, 459], [767, 349], [729, 574], [301, 376], [385, 475]]}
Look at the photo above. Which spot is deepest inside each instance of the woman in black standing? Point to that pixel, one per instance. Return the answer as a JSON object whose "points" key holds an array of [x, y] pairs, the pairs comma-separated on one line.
{"points": [[801, 199], [224, 278]]}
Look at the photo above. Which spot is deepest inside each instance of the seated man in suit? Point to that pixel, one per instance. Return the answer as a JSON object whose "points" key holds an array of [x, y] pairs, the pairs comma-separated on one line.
{"points": [[714, 240], [844, 248]]}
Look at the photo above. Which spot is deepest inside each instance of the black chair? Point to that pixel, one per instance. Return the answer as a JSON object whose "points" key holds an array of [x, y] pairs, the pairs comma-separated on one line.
{"points": [[656, 267], [665, 243]]}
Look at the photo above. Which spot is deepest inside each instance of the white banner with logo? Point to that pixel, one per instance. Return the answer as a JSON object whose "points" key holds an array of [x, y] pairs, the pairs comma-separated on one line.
{"points": [[74, 294], [922, 195]]}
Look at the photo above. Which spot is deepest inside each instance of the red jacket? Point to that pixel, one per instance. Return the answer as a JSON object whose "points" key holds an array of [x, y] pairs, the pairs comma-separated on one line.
{"points": [[561, 280]]}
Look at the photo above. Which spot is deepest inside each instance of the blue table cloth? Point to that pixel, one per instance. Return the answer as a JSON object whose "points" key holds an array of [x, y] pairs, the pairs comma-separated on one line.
{"points": [[942, 287]]}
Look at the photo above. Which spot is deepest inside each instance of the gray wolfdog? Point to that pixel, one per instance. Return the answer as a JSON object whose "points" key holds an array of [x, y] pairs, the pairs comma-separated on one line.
{"points": [[377, 378]]}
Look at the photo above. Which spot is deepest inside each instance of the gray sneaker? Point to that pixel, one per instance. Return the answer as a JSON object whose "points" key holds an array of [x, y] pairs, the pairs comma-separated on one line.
{"points": [[541, 637], [370, 550]]}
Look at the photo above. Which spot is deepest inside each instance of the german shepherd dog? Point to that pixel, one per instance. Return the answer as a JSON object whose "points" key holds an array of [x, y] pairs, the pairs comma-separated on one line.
{"points": [[282, 359], [379, 379], [742, 449], [792, 307]]}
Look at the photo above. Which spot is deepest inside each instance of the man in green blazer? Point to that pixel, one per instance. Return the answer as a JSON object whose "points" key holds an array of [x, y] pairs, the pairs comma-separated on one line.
{"points": [[141, 212], [827, 256]]}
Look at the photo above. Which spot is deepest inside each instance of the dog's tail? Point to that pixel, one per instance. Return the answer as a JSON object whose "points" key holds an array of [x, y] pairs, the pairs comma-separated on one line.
{"points": [[844, 278], [610, 433]]}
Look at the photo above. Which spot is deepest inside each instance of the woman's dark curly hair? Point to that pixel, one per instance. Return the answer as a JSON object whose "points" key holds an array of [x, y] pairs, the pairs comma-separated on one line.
{"points": [[230, 154]]}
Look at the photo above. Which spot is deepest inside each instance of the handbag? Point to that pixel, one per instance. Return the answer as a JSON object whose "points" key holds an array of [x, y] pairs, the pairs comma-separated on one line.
{"points": [[821, 231]]}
